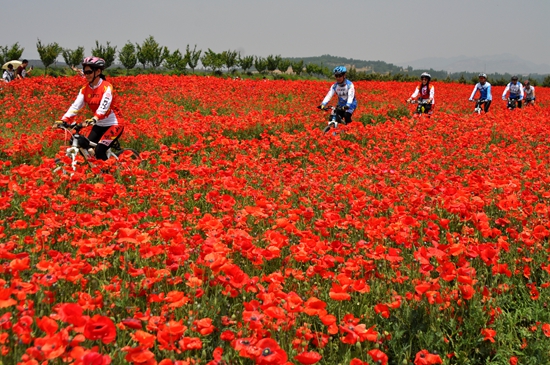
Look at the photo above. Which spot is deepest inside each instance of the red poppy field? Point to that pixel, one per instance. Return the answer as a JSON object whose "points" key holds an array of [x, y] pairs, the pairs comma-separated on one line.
{"points": [[247, 236]]}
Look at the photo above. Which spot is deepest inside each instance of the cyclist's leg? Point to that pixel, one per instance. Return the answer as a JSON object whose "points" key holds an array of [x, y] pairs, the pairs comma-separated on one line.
{"points": [[520, 102], [347, 117], [487, 105], [109, 137], [428, 109]]}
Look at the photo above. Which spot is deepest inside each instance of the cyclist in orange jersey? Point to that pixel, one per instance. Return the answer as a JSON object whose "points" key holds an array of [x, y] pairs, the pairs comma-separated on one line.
{"points": [[98, 95]]}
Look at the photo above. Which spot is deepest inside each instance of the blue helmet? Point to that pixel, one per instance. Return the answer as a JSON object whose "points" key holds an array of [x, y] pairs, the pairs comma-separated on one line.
{"points": [[339, 70]]}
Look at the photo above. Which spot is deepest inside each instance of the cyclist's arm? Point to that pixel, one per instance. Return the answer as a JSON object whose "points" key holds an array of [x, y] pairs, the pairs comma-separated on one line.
{"points": [[521, 92], [329, 96], [75, 109], [506, 91], [474, 92], [533, 92], [105, 104], [432, 94], [415, 94], [351, 94], [489, 95]]}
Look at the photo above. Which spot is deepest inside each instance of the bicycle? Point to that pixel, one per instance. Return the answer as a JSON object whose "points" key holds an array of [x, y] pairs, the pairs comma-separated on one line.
{"points": [[479, 105], [421, 108], [529, 101], [334, 119], [80, 144], [512, 103]]}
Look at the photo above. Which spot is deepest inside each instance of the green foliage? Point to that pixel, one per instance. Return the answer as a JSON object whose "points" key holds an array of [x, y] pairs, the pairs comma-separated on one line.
{"points": [[546, 81], [176, 61], [246, 62], [48, 53], [192, 57], [151, 52], [230, 59], [73, 57], [3, 56], [127, 56], [260, 64], [212, 60], [297, 67], [284, 65], [273, 62], [106, 52], [14, 53]]}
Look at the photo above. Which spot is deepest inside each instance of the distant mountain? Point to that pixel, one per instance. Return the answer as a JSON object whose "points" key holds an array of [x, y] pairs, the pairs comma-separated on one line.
{"points": [[503, 63], [360, 65]]}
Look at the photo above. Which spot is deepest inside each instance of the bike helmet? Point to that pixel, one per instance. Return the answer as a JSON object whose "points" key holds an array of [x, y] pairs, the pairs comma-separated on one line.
{"points": [[526, 83], [94, 62], [514, 78], [482, 75], [426, 75], [339, 70]]}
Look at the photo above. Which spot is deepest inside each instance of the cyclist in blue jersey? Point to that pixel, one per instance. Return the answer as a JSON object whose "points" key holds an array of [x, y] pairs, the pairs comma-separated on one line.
{"points": [[484, 91], [516, 91], [345, 90]]}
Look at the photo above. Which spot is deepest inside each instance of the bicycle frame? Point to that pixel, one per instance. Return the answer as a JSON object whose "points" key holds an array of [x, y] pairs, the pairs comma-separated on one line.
{"points": [[334, 118], [421, 108], [479, 103], [75, 147]]}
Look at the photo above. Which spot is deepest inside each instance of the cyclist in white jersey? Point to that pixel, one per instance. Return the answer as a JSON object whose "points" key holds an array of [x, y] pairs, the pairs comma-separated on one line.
{"points": [[529, 92]]}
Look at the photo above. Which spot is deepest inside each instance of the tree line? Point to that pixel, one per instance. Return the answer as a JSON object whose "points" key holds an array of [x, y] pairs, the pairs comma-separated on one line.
{"points": [[151, 55]]}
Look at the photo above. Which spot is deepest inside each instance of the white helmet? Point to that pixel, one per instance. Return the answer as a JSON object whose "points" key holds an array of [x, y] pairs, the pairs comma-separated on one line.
{"points": [[427, 75]]}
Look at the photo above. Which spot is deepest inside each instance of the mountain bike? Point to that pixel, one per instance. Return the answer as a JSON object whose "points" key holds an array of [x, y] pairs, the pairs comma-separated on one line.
{"points": [[512, 103], [422, 106], [529, 101], [479, 105], [81, 145], [334, 119]]}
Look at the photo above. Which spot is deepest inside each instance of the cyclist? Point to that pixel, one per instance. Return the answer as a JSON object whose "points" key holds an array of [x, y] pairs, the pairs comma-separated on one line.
{"points": [[516, 91], [426, 92], [529, 93], [484, 91], [98, 94], [345, 90]]}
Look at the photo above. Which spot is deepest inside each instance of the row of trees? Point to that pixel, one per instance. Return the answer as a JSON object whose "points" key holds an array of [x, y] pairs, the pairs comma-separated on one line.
{"points": [[150, 54]]}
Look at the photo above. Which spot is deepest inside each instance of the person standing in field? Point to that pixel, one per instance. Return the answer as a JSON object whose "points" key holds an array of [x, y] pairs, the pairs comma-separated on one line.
{"points": [[98, 95], [484, 89], [516, 91], [425, 93], [345, 90], [21, 71], [8, 75], [529, 93]]}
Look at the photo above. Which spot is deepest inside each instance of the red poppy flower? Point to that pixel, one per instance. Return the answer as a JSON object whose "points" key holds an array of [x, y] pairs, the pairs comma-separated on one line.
{"points": [[308, 358], [423, 357], [100, 328], [270, 353]]}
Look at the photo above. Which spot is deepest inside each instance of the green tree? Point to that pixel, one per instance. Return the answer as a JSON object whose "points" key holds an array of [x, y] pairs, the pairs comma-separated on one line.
{"points": [[176, 61], [230, 59], [15, 52], [246, 62], [273, 62], [3, 54], [48, 53], [192, 57], [151, 52], [297, 67], [108, 53], [213, 60], [284, 65], [73, 57], [260, 64], [546, 81], [127, 56], [313, 69]]}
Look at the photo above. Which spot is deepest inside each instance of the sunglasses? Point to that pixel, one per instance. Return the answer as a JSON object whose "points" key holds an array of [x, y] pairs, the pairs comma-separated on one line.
{"points": [[338, 75], [88, 72]]}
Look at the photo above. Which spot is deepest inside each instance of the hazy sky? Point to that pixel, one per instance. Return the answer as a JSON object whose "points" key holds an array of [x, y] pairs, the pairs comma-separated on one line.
{"points": [[388, 30]]}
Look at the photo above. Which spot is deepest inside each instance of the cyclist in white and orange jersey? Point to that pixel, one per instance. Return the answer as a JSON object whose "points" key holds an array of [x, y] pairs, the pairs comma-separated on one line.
{"points": [[98, 95], [424, 92]]}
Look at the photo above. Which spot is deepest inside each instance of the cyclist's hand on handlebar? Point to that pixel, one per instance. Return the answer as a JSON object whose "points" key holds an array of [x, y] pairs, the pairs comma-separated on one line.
{"points": [[345, 107], [90, 121], [58, 123], [322, 107]]}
